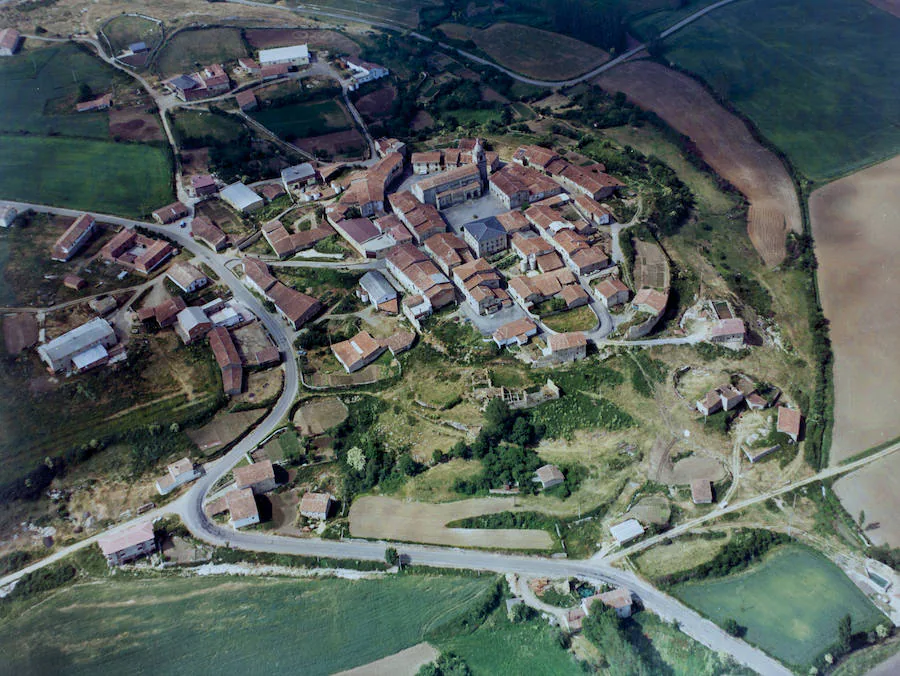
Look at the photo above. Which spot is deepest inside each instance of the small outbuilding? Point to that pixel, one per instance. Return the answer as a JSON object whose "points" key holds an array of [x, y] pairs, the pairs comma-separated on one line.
{"points": [[315, 505], [626, 531], [549, 476]]}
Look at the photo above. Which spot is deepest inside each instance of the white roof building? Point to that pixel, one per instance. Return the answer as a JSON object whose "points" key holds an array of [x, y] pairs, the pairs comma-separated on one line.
{"points": [[7, 216], [297, 55], [59, 353], [299, 173], [241, 197], [377, 287], [626, 531]]}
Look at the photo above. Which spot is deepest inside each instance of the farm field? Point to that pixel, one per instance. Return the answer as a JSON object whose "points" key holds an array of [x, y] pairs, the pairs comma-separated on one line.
{"points": [[300, 120], [756, 55], [38, 91], [875, 490], [855, 236], [790, 603], [184, 51], [125, 30], [405, 12], [580, 319], [332, 41], [112, 178], [726, 144], [252, 625], [531, 51], [380, 517]]}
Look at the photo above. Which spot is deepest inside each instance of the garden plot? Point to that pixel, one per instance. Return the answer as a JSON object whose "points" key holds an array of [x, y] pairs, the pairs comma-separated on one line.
{"points": [[318, 415]]}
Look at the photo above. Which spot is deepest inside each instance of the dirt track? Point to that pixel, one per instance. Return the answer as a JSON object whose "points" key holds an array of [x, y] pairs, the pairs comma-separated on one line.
{"points": [[725, 143], [857, 232], [387, 518]]}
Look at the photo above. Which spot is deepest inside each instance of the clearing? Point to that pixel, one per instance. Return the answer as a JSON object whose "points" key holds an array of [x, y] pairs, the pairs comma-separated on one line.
{"points": [[197, 622], [756, 55], [390, 519], [854, 226], [112, 178], [724, 142], [531, 51], [790, 604]]}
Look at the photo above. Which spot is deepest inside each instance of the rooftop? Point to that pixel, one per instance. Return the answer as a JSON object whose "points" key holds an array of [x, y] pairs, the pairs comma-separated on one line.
{"points": [[565, 341], [284, 53], [117, 541], [241, 504], [250, 475], [78, 339], [484, 229]]}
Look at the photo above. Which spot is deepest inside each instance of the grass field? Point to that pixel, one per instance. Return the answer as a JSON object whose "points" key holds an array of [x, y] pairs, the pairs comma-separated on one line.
{"points": [[193, 128], [125, 30], [531, 51], [191, 49], [39, 89], [580, 319], [113, 178], [245, 625], [790, 604], [300, 120], [756, 55]]}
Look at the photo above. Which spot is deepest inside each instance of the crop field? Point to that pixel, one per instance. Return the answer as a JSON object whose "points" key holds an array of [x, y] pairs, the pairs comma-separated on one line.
{"points": [[39, 90], [790, 603], [223, 429], [405, 12], [756, 55], [318, 415], [724, 142], [875, 490], [112, 178], [190, 49], [250, 625], [300, 120], [531, 51], [380, 517], [854, 236], [333, 42], [650, 266], [125, 30], [340, 145], [682, 554]]}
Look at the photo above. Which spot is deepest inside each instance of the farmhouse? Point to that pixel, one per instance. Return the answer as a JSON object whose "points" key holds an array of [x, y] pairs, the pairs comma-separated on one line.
{"points": [[272, 191], [517, 331], [626, 531], [420, 276], [248, 65], [789, 421], [7, 216], [74, 282], [384, 146], [375, 289], [103, 305], [100, 103], [171, 213], [513, 221], [701, 491], [299, 175], [228, 359], [711, 403], [127, 545], [79, 349], [731, 398], [136, 252], [400, 342], [203, 185], [565, 347], [618, 599], [204, 230], [10, 41], [535, 156], [426, 162], [448, 250], [192, 324], [186, 277], [651, 301], [257, 275], [286, 244], [242, 509], [209, 81], [415, 308], [74, 238], [364, 236], [259, 477], [594, 184], [273, 71], [728, 331], [422, 220], [295, 55], [529, 291], [357, 352], [549, 476], [486, 236], [178, 473], [166, 313], [450, 187], [481, 286], [296, 308], [593, 211], [315, 505], [246, 100], [529, 247], [363, 72], [611, 291], [367, 191], [515, 185], [241, 198]]}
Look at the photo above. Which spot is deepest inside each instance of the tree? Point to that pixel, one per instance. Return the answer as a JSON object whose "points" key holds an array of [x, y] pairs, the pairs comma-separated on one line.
{"points": [[356, 459], [437, 456], [391, 556], [881, 631], [845, 634], [522, 613], [732, 627], [448, 664], [84, 92]]}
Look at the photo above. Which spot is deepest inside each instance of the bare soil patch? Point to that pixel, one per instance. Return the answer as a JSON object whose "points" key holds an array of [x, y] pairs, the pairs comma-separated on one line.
{"points": [[379, 517], [874, 489], [223, 429], [531, 51], [376, 104], [662, 469], [653, 509], [318, 415], [650, 266], [19, 332], [347, 144], [134, 124], [422, 120], [725, 143], [331, 41], [854, 223], [404, 663], [250, 339], [195, 162], [261, 387]]}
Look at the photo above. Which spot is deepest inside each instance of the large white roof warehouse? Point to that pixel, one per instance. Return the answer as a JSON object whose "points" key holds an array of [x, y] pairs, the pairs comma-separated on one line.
{"points": [[59, 352], [626, 531], [297, 55], [241, 197]]}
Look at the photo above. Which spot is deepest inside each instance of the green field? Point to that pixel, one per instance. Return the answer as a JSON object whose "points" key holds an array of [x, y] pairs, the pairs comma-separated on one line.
{"points": [[580, 319], [832, 114], [198, 128], [230, 625], [125, 30], [39, 90], [190, 49], [790, 604], [113, 178], [302, 120]]}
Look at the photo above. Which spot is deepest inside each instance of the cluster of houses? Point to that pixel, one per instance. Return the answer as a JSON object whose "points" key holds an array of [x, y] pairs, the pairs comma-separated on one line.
{"points": [[295, 308], [362, 349]]}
